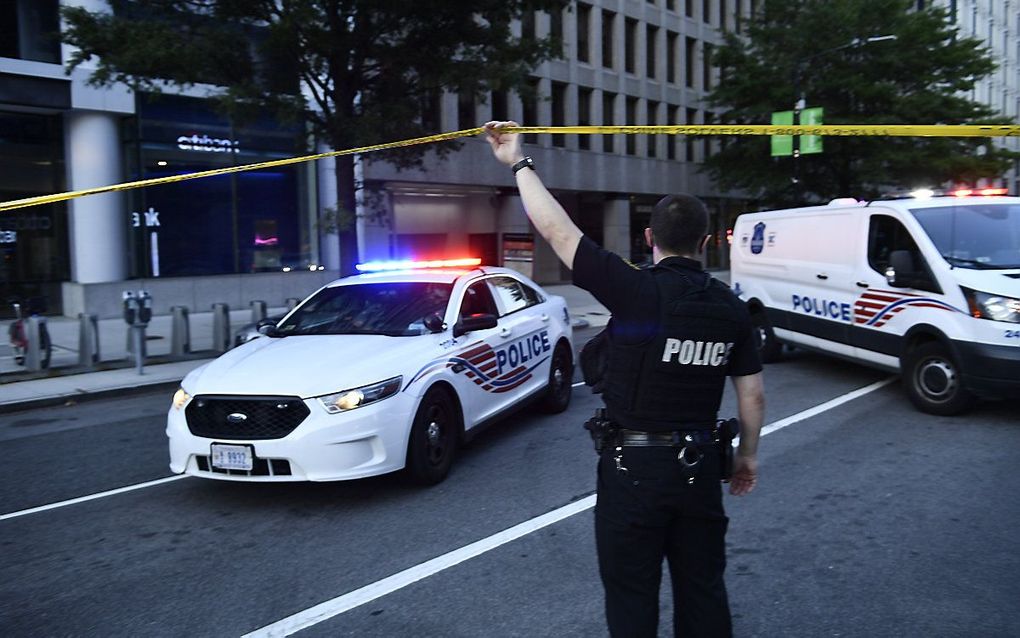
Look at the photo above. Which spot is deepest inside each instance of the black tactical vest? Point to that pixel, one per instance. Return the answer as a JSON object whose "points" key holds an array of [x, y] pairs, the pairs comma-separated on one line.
{"points": [[674, 379]]}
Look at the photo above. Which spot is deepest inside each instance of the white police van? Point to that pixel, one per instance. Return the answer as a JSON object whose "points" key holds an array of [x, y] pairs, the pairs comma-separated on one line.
{"points": [[374, 373], [928, 286]]}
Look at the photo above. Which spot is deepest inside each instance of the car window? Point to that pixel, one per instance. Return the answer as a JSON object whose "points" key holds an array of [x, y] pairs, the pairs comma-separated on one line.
{"points": [[477, 301], [513, 295], [395, 309]]}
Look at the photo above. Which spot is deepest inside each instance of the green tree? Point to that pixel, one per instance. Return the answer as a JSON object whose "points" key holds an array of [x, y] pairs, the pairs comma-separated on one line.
{"points": [[921, 77], [360, 71]]}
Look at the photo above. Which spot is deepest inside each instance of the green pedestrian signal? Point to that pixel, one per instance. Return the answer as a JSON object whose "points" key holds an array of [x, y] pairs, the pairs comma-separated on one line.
{"points": [[782, 145]]}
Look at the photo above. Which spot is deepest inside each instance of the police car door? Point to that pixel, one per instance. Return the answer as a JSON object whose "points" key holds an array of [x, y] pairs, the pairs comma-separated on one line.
{"points": [[524, 353], [473, 357]]}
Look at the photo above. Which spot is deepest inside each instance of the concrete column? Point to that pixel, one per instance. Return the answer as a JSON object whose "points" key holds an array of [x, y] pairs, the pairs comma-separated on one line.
{"points": [[329, 243], [98, 223], [616, 226]]}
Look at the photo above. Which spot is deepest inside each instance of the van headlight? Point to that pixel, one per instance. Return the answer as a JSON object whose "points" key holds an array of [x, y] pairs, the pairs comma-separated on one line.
{"points": [[357, 397], [995, 307]]}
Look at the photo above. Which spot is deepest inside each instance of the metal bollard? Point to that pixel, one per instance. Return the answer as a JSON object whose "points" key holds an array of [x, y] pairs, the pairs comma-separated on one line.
{"points": [[33, 352], [258, 311], [221, 327], [292, 303], [180, 331], [88, 340]]}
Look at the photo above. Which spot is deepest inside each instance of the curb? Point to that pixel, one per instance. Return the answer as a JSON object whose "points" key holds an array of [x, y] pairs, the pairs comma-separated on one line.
{"points": [[78, 397]]}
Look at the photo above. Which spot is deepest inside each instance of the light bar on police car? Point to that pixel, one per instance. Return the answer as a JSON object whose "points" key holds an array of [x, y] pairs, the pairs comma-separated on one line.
{"points": [[411, 264]]}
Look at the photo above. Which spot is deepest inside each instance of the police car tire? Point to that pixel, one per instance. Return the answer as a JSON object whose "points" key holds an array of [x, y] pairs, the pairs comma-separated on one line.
{"points": [[770, 349], [929, 395], [429, 457], [558, 391]]}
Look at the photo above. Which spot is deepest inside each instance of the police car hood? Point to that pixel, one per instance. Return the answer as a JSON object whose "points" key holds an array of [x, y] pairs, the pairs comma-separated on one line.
{"points": [[994, 282], [308, 366]]}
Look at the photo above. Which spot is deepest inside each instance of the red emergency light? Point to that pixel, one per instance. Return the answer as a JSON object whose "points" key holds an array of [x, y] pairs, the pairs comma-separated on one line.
{"points": [[980, 192], [411, 264]]}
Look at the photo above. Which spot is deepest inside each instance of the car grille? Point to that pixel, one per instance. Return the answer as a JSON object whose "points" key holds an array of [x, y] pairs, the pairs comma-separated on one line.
{"points": [[244, 418]]}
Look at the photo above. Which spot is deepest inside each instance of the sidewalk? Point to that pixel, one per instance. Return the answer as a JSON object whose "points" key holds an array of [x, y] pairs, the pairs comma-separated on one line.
{"points": [[65, 382]]}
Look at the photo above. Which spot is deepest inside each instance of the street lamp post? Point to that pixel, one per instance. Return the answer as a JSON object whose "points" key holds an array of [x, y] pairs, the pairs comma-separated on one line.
{"points": [[798, 92]]}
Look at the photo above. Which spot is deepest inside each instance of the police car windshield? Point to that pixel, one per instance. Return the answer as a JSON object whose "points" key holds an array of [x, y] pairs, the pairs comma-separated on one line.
{"points": [[978, 236], [392, 309]]}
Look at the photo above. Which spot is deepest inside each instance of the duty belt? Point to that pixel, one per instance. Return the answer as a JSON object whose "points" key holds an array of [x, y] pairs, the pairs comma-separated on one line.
{"points": [[677, 438]]}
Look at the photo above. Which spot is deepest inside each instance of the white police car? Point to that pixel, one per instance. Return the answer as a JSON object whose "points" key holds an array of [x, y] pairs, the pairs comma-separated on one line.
{"points": [[374, 373]]}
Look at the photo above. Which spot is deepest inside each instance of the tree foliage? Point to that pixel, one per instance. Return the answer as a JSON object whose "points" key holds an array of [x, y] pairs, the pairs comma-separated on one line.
{"points": [[360, 71], [924, 76]]}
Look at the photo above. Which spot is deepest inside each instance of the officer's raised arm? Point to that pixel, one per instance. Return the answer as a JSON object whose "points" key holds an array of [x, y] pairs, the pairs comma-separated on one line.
{"points": [[549, 218]]}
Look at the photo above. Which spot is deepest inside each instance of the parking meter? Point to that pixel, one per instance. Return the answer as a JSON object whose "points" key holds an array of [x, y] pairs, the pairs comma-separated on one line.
{"points": [[144, 307], [130, 307]]}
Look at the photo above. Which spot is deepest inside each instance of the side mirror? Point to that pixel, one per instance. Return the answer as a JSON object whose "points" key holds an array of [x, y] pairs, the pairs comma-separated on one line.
{"points": [[474, 322], [266, 327], [434, 323], [901, 271]]}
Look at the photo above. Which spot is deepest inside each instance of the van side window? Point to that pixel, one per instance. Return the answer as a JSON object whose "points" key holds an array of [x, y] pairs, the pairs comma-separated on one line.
{"points": [[886, 234]]}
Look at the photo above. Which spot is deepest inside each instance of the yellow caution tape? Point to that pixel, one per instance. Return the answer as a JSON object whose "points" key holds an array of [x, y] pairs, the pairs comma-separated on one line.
{"points": [[884, 130]]}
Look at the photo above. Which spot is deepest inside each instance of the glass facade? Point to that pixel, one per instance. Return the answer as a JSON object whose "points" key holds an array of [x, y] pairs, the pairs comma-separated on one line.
{"points": [[254, 221], [33, 241]]}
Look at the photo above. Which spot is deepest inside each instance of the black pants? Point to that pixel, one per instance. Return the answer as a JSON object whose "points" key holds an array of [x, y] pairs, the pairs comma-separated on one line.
{"points": [[649, 513]]}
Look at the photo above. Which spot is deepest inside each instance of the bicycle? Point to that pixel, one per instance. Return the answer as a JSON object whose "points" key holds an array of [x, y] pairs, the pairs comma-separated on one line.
{"points": [[18, 336]]}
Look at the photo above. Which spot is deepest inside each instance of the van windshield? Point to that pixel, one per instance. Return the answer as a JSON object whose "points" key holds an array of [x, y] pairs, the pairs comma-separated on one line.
{"points": [[979, 236]]}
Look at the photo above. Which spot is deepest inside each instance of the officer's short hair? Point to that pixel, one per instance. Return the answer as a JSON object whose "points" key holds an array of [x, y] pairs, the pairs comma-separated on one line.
{"points": [[678, 223]]}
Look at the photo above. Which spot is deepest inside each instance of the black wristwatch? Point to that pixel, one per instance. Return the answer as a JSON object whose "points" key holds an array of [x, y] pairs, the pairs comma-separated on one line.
{"points": [[527, 162]]}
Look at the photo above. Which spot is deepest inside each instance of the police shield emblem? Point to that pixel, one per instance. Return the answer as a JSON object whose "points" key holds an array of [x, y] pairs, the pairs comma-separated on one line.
{"points": [[758, 238]]}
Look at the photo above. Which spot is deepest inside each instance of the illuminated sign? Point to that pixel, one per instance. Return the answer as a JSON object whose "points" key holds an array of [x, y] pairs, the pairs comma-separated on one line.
{"points": [[205, 144]]}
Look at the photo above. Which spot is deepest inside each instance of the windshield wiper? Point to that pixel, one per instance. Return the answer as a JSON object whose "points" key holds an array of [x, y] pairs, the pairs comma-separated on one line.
{"points": [[980, 265]]}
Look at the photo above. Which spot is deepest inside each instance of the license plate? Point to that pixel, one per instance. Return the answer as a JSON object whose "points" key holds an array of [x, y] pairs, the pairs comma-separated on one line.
{"points": [[231, 457]]}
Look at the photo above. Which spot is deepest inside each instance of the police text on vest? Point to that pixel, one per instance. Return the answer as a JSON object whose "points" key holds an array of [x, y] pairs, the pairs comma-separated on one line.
{"points": [[697, 353]]}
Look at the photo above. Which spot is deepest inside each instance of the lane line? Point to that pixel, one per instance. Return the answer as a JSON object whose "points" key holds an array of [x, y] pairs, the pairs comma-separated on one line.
{"points": [[92, 497], [346, 602]]}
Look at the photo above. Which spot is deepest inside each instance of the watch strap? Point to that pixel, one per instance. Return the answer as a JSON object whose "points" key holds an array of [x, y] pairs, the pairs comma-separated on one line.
{"points": [[527, 162]]}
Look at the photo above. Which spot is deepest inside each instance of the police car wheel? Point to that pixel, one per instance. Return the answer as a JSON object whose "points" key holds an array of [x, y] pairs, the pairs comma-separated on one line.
{"points": [[561, 377], [769, 348], [433, 440], [933, 382]]}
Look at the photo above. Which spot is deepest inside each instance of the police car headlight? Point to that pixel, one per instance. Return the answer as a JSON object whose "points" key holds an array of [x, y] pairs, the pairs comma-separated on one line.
{"points": [[181, 398], [995, 307], [357, 397]]}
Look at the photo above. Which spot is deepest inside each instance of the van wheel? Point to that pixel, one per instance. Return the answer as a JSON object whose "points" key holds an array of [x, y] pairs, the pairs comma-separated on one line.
{"points": [[561, 377], [933, 381], [433, 440], [770, 349]]}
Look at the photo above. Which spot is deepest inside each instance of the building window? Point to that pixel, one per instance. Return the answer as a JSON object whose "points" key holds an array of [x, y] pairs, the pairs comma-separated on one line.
{"points": [[692, 118], [608, 20], [30, 30], [706, 11], [674, 118], [432, 110], [722, 15], [689, 8], [706, 140], [500, 108], [466, 115], [556, 31], [559, 111], [671, 5], [529, 33], [653, 120], [583, 24], [608, 119], [706, 66], [631, 118], [584, 116], [652, 35], [529, 109], [671, 40], [630, 46], [690, 53]]}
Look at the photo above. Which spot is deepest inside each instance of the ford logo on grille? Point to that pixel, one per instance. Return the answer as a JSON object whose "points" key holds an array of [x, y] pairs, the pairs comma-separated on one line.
{"points": [[237, 417]]}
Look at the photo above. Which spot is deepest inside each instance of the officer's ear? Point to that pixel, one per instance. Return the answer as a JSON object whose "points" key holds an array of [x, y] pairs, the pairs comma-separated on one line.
{"points": [[648, 238], [704, 244]]}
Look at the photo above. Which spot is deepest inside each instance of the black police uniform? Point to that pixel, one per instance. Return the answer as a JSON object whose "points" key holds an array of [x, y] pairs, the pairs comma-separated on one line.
{"points": [[676, 334]]}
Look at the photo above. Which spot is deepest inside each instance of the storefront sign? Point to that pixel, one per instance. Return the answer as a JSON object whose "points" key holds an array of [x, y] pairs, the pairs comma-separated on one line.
{"points": [[205, 144]]}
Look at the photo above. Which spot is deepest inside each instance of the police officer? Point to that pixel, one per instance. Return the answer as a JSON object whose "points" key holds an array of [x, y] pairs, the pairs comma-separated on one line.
{"points": [[675, 335]]}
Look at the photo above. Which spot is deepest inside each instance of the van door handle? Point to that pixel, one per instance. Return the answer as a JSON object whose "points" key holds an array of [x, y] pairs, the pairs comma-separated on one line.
{"points": [[822, 275], [862, 284]]}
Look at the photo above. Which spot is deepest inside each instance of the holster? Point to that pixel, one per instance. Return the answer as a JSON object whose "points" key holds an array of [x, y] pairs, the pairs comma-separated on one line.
{"points": [[601, 429], [728, 430]]}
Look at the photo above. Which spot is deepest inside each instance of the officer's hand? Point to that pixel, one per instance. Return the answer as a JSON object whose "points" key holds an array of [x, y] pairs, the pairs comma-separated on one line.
{"points": [[505, 146], [745, 475]]}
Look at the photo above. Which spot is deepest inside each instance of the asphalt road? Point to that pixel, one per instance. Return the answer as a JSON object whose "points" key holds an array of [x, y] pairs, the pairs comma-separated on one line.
{"points": [[870, 519]]}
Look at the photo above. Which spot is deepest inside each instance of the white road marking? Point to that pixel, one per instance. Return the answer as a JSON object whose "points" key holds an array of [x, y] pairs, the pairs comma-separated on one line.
{"points": [[346, 602], [92, 497]]}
